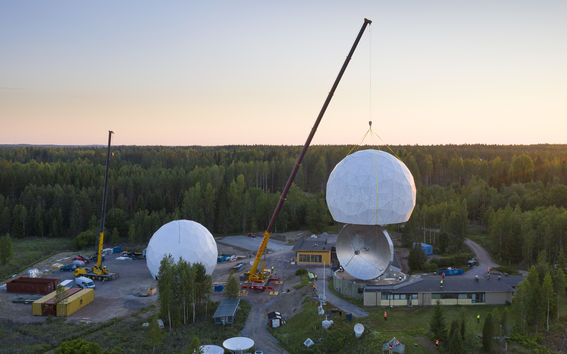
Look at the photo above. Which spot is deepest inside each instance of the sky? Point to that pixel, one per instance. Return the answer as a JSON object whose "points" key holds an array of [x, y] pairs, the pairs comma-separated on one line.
{"points": [[258, 72]]}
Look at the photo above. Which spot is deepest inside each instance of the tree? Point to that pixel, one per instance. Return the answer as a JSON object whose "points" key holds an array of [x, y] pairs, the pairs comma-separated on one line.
{"points": [[165, 287], [456, 344], [6, 249], [155, 334], [78, 346], [437, 324], [194, 346], [416, 258], [86, 239], [547, 297], [488, 332], [232, 287]]}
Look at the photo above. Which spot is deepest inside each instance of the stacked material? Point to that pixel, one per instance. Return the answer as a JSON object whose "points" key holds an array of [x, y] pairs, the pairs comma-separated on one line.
{"points": [[28, 285], [66, 303]]}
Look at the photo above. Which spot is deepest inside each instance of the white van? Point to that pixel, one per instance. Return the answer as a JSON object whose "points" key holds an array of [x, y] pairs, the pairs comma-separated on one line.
{"points": [[84, 282]]}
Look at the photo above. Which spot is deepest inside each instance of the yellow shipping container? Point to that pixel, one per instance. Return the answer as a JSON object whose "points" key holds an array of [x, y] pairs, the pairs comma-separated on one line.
{"points": [[75, 302], [38, 304]]}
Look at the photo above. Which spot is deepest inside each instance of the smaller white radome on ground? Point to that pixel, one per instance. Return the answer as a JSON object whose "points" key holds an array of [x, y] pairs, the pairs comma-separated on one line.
{"points": [[182, 239], [371, 187]]}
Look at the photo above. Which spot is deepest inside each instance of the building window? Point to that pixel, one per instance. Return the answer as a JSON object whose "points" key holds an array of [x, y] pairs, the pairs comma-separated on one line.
{"points": [[386, 296], [316, 258], [478, 298], [304, 258]]}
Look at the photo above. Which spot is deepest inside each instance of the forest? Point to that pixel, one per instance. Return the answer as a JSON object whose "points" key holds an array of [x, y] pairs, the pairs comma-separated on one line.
{"points": [[515, 194]]}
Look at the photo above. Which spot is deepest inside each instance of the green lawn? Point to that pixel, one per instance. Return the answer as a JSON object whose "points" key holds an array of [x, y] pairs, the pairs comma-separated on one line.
{"points": [[411, 326], [30, 250]]}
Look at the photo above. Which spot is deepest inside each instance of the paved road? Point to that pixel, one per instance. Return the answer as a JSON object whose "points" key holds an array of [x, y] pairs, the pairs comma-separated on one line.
{"points": [[483, 258], [344, 305], [255, 328], [253, 243]]}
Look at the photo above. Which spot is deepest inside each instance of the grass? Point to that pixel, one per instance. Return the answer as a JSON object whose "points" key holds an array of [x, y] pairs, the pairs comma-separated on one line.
{"points": [[409, 325], [125, 335], [31, 250], [304, 279]]}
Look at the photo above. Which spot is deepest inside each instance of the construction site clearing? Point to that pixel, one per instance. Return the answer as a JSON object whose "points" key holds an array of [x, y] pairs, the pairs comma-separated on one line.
{"points": [[136, 289]]}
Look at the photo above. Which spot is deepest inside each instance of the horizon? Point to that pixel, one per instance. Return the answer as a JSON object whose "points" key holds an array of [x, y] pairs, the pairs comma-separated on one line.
{"points": [[215, 74]]}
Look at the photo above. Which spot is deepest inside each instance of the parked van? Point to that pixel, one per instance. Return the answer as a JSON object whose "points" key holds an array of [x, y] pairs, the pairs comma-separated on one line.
{"points": [[84, 282]]}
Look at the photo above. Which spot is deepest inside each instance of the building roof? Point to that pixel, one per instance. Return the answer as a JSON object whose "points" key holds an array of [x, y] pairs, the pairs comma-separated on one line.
{"points": [[227, 308], [453, 284], [323, 242]]}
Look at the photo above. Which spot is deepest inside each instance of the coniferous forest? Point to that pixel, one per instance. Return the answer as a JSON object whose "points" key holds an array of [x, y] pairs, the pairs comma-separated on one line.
{"points": [[515, 194]]}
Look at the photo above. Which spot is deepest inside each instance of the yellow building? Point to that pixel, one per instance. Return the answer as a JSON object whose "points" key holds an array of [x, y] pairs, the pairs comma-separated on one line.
{"points": [[314, 250]]}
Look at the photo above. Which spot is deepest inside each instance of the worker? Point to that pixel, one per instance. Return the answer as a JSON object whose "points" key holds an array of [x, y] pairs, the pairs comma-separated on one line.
{"points": [[478, 318], [443, 275], [385, 316], [441, 285], [437, 343], [272, 269]]}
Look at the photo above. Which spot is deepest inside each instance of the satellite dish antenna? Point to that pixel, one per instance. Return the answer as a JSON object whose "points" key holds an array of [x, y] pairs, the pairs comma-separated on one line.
{"points": [[358, 329], [238, 344], [211, 349], [364, 251]]}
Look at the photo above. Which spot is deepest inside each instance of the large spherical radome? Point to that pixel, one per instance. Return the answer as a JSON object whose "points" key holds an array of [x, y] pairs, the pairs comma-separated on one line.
{"points": [[371, 187], [182, 239]]}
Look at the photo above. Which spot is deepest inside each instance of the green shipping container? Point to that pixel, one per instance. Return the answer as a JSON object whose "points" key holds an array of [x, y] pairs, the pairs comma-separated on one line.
{"points": [[75, 302]]}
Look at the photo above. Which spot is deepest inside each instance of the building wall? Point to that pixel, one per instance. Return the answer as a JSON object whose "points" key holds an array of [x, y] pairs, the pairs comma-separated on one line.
{"points": [[325, 257], [348, 287], [424, 299], [498, 298], [371, 298]]}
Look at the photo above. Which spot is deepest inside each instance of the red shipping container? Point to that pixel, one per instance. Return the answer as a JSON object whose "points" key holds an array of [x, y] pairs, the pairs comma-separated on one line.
{"points": [[50, 307], [32, 285]]}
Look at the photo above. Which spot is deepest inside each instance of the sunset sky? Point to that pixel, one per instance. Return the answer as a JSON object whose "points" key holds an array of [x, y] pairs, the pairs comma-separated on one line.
{"points": [[257, 72]]}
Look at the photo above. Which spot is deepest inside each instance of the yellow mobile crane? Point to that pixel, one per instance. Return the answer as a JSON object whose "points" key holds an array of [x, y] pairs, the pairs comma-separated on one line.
{"points": [[100, 272], [256, 275]]}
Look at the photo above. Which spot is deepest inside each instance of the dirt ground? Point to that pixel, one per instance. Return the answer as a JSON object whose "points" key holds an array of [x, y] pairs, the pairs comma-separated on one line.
{"points": [[112, 298], [118, 298]]}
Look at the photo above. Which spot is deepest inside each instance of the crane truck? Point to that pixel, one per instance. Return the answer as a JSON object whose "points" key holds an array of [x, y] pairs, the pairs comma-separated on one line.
{"points": [[261, 275], [98, 271]]}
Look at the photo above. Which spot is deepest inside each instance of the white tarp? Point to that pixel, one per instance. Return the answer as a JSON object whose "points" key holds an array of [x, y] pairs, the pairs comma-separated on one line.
{"points": [[182, 238], [370, 187]]}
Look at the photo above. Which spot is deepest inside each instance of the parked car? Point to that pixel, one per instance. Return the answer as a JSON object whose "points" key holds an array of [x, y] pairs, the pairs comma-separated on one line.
{"points": [[68, 267], [252, 235], [239, 266], [81, 258], [84, 282]]}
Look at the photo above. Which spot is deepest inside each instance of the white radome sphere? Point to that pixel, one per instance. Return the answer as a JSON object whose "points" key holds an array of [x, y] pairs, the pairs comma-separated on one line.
{"points": [[370, 187], [182, 239]]}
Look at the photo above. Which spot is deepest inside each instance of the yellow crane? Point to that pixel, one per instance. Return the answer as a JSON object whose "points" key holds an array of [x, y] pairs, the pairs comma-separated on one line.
{"points": [[261, 275], [100, 272]]}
